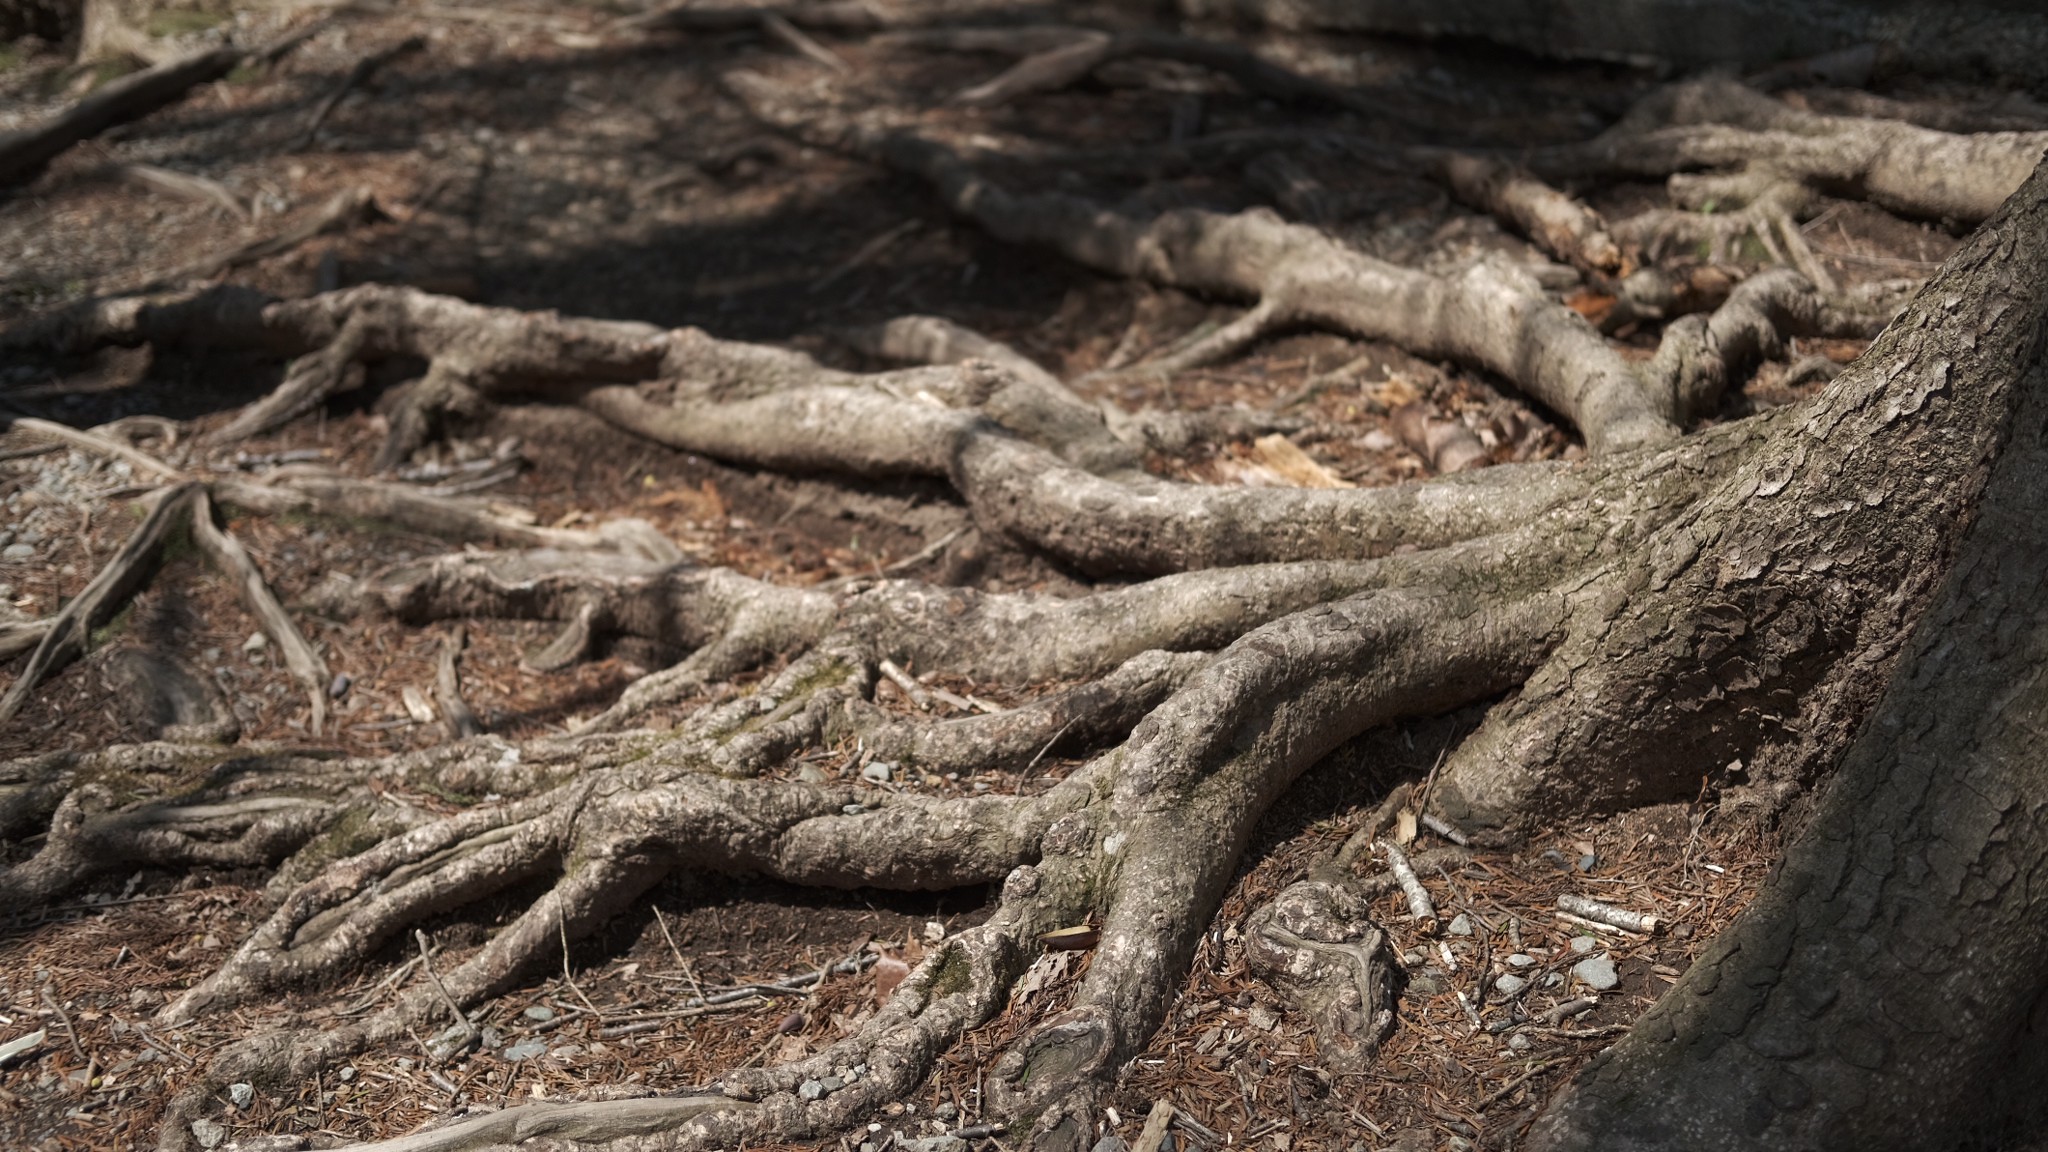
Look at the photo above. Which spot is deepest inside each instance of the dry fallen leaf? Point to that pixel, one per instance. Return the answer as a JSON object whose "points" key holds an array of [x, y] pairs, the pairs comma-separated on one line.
{"points": [[889, 972]]}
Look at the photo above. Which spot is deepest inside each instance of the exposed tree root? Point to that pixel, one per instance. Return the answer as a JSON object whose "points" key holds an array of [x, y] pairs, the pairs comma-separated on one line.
{"points": [[1489, 315], [1718, 123], [1648, 618], [24, 153], [108, 593]]}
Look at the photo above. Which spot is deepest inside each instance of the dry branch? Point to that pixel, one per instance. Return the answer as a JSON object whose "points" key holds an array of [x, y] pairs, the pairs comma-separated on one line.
{"points": [[299, 655], [24, 153], [1719, 123]]}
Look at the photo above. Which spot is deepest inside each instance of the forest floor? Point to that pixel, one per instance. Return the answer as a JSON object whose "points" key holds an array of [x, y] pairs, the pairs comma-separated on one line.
{"points": [[543, 158]]}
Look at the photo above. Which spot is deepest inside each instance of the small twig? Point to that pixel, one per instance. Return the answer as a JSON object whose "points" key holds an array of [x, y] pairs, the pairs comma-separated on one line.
{"points": [[795, 38], [1501, 1093], [951, 700], [299, 655], [909, 684], [164, 1047], [183, 184], [1048, 745], [866, 253], [562, 923], [681, 961], [1445, 829], [345, 209], [911, 561], [356, 75], [69, 1032], [1558, 1014], [434, 978]]}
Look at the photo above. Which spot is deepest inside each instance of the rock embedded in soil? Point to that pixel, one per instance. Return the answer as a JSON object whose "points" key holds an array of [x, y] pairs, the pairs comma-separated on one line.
{"points": [[1597, 972]]}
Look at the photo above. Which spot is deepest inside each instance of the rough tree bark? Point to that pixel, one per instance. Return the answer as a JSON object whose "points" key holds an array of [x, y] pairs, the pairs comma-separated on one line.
{"points": [[1887, 987], [1670, 607]]}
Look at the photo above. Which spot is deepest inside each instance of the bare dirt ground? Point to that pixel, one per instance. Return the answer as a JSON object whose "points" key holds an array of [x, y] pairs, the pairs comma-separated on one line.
{"points": [[539, 158]]}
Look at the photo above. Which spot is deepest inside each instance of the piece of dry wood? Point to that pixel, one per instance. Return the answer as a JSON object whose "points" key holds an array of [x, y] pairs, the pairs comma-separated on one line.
{"points": [[456, 715], [908, 683], [18, 636], [1419, 905], [149, 466], [789, 34], [1156, 1124], [1446, 445], [1587, 908], [184, 185]]}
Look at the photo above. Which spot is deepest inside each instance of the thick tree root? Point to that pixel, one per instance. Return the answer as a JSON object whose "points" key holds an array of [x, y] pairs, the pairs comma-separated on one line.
{"points": [[1299, 275], [1719, 123], [1885, 986], [1817, 607], [1659, 582]]}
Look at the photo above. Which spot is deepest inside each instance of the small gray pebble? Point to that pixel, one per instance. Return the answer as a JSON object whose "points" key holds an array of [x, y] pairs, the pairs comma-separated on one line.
{"points": [[1587, 862], [348, 1073], [1509, 985], [339, 686], [1584, 944], [1597, 971], [854, 809], [810, 1090], [1555, 857], [811, 774], [539, 1012], [256, 642], [18, 552], [208, 1133], [1461, 925], [1518, 1042], [1554, 980], [526, 1050], [1519, 960], [879, 771], [242, 1094], [832, 1083]]}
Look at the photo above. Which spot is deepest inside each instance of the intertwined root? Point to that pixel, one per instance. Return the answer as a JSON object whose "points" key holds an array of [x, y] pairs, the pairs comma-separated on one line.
{"points": [[1277, 623]]}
